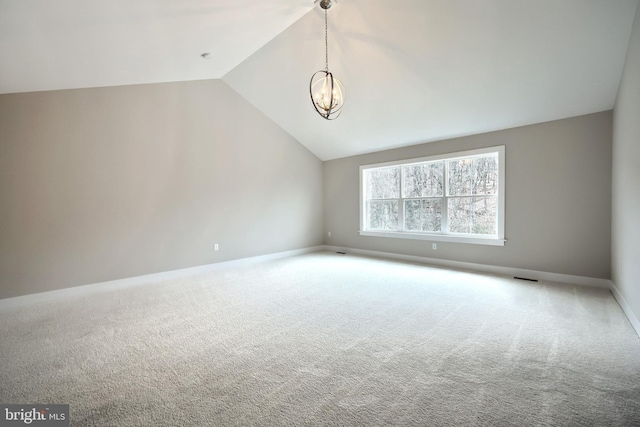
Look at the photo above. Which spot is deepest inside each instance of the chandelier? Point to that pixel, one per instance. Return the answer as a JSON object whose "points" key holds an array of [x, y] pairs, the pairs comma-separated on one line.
{"points": [[327, 92]]}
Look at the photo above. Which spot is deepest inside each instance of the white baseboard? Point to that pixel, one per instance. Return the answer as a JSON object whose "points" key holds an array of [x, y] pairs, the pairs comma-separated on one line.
{"points": [[633, 319], [491, 269], [147, 278]]}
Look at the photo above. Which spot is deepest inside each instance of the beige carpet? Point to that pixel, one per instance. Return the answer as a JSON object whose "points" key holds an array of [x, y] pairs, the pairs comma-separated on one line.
{"points": [[326, 339]]}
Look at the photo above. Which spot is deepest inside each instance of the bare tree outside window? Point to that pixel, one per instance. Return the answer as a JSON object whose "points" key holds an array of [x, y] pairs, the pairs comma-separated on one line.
{"points": [[383, 194], [423, 215], [473, 177], [384, 183], [424, 185], [383, 214], [423, 180]]}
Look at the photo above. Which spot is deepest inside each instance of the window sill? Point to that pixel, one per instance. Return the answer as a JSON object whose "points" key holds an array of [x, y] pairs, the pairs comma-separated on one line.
{"points": [[435, 237]]}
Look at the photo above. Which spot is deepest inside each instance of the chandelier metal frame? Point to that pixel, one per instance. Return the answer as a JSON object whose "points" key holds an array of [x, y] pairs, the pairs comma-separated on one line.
{"points": [[328, 98]]}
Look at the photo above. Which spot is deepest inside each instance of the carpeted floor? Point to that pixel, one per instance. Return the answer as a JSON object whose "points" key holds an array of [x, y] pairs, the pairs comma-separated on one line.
{"points": [[325, 339]]}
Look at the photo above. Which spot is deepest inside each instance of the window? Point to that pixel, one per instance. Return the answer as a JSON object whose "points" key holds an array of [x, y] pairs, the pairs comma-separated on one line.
{"points": [[456, 197]]}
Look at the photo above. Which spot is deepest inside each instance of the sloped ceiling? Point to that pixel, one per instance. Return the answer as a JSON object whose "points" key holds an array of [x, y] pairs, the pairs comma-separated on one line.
{"points": [[64, 44], [415, 70], [423, 70]]}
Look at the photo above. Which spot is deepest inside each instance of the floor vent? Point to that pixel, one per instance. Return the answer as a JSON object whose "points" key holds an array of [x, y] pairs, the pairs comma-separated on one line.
{"points": [[524, 278], [341, 253]]}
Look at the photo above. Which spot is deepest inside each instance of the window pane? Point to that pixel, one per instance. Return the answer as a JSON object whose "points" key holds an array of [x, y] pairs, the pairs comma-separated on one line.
{"points": [[424, 180], [422, 215], [382, 215], [383, 183], [472, 215], [473, 176], [460, 177], [485, 175]]}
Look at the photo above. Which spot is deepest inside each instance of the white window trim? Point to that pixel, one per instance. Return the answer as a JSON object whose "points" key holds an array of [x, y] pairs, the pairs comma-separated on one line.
{"points": [[499, 240]]}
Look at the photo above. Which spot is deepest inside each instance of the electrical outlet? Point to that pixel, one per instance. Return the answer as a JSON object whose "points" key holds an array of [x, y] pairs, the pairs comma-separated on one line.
{"points": [[434, 246], [329, 234], [215, 247]]}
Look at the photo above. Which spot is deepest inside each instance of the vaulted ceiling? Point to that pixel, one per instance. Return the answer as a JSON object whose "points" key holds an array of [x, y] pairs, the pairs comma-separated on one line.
{"points": [[415, 70]]}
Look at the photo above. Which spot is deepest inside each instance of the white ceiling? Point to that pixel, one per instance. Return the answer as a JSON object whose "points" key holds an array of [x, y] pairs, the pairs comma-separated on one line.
{"points": [[64, 44], [415, 70]]}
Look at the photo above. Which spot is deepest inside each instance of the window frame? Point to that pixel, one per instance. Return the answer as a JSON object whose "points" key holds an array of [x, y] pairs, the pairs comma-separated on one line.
{"points": [[494, 240]]}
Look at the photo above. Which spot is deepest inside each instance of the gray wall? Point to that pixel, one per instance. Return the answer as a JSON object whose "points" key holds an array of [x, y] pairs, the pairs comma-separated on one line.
{"points": [[626, 178], [558, 198], [107, 183]]}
